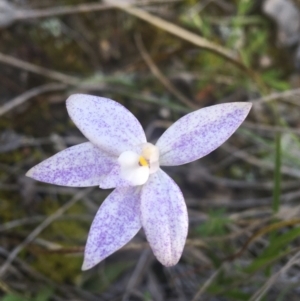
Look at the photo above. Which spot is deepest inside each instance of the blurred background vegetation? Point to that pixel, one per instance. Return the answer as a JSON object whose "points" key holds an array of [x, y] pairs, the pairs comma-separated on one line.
{"points": [[161, 59]]}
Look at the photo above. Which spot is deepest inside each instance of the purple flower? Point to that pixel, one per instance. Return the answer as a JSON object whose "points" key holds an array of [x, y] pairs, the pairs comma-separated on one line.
{"points": [[118, 156]]}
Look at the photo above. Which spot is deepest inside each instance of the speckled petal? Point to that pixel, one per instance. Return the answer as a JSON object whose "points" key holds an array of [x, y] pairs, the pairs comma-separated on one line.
{"points": [[81, 165], [164, 217], [113, 179], [197, 134], [105, 123], [117, 221]]}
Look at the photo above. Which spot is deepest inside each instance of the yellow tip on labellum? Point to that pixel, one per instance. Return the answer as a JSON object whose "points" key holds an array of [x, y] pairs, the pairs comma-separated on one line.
{"points": [[143, 161]]}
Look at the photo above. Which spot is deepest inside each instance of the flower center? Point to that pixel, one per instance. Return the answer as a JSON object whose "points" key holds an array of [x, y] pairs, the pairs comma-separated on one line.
{"points": [[143, 161], [136, 168]]}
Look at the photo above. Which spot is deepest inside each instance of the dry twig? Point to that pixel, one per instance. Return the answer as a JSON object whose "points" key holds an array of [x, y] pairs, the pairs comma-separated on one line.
{"points": [[207, 283], [260, 163], [41, 227], [141, 267], [75, 9], [160, 76], [270, 282], [182, 33], [9, 60], [20, 99], [274, 96]]}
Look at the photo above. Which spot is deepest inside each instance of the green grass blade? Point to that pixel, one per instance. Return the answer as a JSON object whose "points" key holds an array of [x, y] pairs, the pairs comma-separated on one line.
{"points": [[277, 174]]}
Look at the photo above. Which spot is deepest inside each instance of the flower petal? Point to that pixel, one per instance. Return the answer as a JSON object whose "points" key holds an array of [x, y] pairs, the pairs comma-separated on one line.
{"points": [[164, 217], [81, 165], [114, 179], [197, 134], [136, 176], [124, 177], [129, 159], [105, 123], [117, 221]]}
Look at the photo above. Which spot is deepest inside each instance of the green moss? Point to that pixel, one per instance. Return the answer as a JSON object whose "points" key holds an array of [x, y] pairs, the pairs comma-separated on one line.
{"points": [[58, 267]]}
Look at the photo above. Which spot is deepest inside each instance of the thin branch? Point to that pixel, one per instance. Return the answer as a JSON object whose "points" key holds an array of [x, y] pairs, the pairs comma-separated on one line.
{"points": [[9, 60], [182, 33], [130, 246], [75, 9], [260, 163], [20, 99], [271, 281], [160, 76], [60, 10], [269, 128], [275, 96], [207, 283], [243, 204], [197, 172], [260, 233], [137, 275], [41, 227]]}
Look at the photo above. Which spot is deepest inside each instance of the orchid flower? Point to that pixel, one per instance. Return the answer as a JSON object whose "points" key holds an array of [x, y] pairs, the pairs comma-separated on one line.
{"points": [[119, 156]]}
